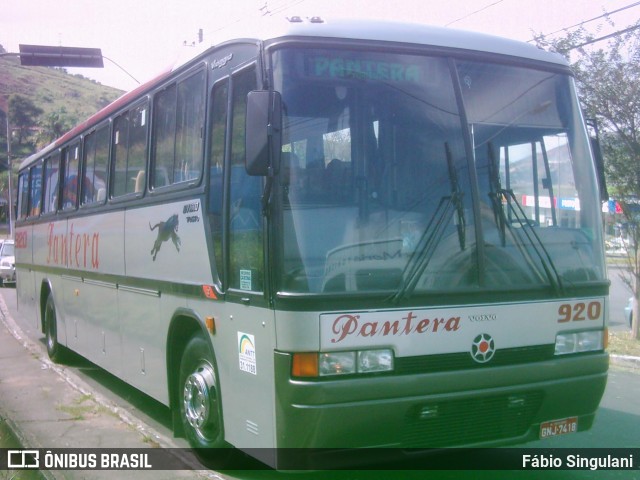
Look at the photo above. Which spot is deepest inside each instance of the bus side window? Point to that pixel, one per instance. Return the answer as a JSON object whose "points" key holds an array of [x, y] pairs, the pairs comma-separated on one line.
{"points": [[130, 151], [51, 182], [178, 122], [164, 124], [96, 160], [71, 161], [23, 195], [35, 191], [190, 112]]}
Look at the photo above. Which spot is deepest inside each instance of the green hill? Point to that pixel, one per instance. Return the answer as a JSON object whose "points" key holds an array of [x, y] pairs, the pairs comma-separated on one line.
{"points": [[53, 91], [65, 100]]}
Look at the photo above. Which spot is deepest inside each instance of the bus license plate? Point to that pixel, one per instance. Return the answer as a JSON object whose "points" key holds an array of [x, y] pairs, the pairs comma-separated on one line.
{"points": [[559, 427]]}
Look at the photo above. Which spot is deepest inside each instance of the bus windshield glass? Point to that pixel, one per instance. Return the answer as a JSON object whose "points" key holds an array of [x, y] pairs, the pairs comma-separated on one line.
{"points": [[410, 174]]}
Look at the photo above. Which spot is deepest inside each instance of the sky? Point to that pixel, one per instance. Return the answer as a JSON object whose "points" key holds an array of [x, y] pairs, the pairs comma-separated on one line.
{"points": [[141, 38]]}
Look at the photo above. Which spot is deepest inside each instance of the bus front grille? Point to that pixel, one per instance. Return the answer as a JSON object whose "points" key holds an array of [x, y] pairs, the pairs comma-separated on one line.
{"points": [[469, 421]]}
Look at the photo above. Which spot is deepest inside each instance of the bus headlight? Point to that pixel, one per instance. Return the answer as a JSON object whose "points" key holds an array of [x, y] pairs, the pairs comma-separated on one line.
{"points": [[337, 363], [579, 342], [370, 361], [342, 363]]}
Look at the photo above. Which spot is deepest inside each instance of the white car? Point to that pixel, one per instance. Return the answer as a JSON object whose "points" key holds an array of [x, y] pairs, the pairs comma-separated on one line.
{"points": [[628, 311], [7, 263]]}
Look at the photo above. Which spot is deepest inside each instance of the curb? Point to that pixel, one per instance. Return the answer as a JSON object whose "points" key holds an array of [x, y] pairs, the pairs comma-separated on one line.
{"points": [[625, 361]]}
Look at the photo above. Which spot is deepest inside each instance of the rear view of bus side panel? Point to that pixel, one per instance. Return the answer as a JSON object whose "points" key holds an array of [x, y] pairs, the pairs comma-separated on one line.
{"points": [[79, 260], [25, 276], [24, 252]]}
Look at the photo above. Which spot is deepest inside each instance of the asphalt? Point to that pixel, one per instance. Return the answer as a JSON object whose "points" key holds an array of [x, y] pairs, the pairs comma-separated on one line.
{"points": [[48, 406]]}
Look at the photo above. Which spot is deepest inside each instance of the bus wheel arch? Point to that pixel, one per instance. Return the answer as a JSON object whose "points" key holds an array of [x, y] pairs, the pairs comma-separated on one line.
{"points": [[193, 379], [56, 351], [45, 291]]}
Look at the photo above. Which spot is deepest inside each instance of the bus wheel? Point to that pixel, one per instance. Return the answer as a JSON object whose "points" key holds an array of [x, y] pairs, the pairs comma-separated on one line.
{"points": [[54, 349], [200, 408]]}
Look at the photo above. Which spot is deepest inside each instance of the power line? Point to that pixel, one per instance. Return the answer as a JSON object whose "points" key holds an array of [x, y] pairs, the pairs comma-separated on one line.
{"points": [[265, 9], [473, 13], [283, 6], [606, 14], [240, 18], [121, 68], [599, 39]]}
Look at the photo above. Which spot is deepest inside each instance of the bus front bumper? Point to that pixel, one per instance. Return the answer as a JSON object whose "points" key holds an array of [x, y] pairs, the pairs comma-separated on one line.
{"points": [[479, 407]]}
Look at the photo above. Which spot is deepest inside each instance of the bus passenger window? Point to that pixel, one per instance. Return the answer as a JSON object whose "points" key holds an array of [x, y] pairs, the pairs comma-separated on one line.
{"points": [[178, 123], [164, 138], [23, 195], [130, 151], [71, 160], [190, 113], [51, 179], [35, 191], [96, 159]]}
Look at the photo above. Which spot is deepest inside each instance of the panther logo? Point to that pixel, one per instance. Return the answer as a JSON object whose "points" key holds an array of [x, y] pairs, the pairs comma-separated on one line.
{"points": [[166, 230]]}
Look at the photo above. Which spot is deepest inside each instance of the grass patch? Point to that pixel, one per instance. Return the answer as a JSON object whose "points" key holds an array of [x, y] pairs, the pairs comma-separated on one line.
{"points": [[77, 410], [621, 343], [150, 441]]}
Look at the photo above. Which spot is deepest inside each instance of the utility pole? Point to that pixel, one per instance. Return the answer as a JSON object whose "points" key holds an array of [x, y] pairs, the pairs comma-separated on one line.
{"points": [[9, 173]]}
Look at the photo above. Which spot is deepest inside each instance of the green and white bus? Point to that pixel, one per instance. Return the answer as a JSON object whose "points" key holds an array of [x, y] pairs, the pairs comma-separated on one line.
{"points": [[333, 235]]}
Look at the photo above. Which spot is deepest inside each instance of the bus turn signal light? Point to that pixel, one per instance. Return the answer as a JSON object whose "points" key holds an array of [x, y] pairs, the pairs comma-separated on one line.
{"points": [[305, 365], [210, 323]]}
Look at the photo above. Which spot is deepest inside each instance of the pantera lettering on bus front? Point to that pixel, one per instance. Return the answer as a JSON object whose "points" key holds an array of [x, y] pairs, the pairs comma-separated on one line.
{"points": [[348, 325]]}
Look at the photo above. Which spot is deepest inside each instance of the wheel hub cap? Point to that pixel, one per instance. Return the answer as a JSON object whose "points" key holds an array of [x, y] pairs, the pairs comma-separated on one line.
{"points": [[198, 396]]}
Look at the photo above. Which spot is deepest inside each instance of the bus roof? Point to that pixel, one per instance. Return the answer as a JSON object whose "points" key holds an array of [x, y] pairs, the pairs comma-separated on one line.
{"points": [[390, 31], [272, 30]]}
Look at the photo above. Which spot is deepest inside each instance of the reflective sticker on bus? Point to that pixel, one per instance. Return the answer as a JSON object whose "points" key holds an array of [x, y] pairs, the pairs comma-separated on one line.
{"points": [[247, 353]]}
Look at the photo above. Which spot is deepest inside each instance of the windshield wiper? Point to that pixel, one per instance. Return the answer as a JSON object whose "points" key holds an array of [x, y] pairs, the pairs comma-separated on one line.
{"points": [[496, 194], [432, 234], [456, 197], [534, 240], [424, 250]]}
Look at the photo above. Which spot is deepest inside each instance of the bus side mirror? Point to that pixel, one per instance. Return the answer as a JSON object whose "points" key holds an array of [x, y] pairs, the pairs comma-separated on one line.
{"points": [[263, 138], [596, 149]]}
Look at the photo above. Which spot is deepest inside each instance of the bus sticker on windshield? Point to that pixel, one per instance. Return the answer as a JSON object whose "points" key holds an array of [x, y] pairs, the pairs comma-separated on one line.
{"points": [[245, 280], [247, 353]]}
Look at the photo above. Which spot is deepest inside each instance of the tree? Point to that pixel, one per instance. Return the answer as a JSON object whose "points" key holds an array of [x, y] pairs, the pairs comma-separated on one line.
{"points": [[23, 113], [608, 82], [53, 126]]}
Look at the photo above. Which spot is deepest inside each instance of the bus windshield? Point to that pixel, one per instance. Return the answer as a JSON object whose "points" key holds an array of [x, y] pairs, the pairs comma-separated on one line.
{"points": [[411, 174]]}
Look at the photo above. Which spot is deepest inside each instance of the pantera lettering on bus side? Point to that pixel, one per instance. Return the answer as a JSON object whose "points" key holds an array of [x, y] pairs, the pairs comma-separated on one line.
{"points": [[166, 230]]}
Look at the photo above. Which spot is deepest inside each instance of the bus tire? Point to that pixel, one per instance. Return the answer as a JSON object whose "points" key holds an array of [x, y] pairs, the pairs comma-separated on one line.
{"points": [[199, 397], [54, 349]]}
